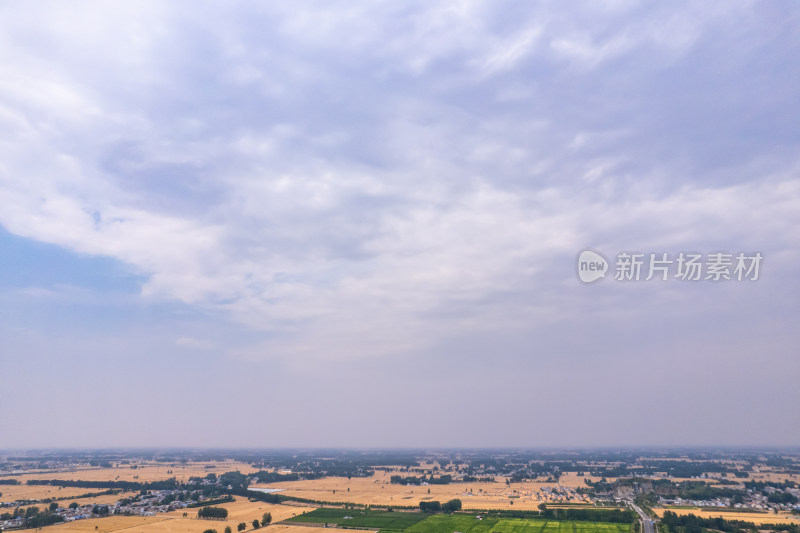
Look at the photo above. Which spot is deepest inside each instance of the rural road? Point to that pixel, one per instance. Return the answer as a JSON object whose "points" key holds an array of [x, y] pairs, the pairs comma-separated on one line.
{"points": [[647, 525]]}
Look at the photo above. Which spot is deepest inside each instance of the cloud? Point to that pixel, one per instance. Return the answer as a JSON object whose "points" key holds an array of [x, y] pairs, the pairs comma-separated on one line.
{"points": [[381, 182]]}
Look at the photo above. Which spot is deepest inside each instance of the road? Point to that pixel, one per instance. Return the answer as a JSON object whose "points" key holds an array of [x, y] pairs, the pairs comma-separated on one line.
{"points": [[647, 525]]}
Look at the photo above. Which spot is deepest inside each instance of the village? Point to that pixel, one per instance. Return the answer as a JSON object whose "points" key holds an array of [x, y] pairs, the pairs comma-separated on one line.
{"points": [[148, 504]]}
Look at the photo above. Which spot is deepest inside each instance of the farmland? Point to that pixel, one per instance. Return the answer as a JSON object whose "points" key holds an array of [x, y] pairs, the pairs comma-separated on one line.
{"points": [[470, 524], [143, 471], [415, 522], [384, 520], [756, 518], [377, 490], [240, 510], [513, 492]]}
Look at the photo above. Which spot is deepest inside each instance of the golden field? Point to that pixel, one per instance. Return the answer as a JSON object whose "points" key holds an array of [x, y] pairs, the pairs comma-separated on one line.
{"points": [[12, 493], [240, 510], [372, 490], [143, 472], [39, 492], [378, 490], [756, 518]]}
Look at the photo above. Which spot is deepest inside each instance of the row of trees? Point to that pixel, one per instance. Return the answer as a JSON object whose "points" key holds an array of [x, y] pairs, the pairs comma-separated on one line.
{"points": [[168, 484], [266, 519], [32, 512], [587, 515], [437, 507], [212, 512], [782, 497], [33, 517]]}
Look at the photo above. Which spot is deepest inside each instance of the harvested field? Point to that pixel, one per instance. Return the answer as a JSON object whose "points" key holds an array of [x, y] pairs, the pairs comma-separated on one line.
{"points": [[40, 492], [240, 510], [104, 525], [142, 473], [377, 490], [163, 524], [756, 518]]}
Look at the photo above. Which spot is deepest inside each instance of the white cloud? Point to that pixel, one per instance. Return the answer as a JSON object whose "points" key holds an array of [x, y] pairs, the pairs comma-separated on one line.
{"points": [[350, 194]]}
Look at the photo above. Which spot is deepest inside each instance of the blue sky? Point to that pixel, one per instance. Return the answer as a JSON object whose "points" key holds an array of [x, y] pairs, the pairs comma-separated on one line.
{"points": [[282, 214]]}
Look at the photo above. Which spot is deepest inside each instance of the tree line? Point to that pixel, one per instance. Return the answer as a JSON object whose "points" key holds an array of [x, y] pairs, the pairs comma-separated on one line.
{"points": [[437, 507], [617, 516], [168, 484], [212, 512]]}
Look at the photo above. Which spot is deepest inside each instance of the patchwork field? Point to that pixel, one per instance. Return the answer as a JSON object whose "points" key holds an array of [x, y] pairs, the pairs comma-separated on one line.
{"points": [[469, 524], [240, 510], [756, 518], [164, 524], [378, 490], [143, 472], [416, 522]]}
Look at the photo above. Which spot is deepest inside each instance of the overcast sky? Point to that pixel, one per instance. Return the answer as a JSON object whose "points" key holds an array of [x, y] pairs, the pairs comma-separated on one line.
{"points": [[357, 223]]}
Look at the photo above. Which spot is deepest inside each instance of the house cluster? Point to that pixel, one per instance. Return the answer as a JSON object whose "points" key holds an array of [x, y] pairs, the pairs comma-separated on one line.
{"points": [[753, 499], [142, 505], [12, 523], [560, 494]]}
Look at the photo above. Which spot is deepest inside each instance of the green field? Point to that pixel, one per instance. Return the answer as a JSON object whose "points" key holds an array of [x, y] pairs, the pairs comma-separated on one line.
{"points": [[385, 520], [413, 522], [469, 524]]}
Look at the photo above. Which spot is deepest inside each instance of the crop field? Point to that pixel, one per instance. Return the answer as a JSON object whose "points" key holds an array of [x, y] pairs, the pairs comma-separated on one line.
{"points": [[470, 524], [384, 520], [164, 524], [377, 490], [240, 510], [12, 493], [104, 525], [756, 518], [415, 522], [140, 472]]}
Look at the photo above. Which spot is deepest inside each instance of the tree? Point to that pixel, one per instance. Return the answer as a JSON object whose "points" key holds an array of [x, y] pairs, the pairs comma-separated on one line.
{"points": [[430, 507], [452, 506], [241, 527], [212, 512], [101, 510], [235, 480], [73, 505], [266, 519], [210, 531], [227, 529], [53, 506], [256, 524]]}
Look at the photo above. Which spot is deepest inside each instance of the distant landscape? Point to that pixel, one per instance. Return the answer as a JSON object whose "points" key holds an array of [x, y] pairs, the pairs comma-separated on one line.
{"points": [[413, 491]]}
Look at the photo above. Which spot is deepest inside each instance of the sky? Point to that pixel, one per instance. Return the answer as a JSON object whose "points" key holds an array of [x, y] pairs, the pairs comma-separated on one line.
{"points": [[357, 224]]}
